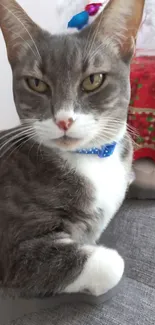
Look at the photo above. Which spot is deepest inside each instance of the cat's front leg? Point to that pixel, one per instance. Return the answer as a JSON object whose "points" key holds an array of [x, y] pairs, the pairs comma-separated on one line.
{"points": [[102, 271], [43, 266]]}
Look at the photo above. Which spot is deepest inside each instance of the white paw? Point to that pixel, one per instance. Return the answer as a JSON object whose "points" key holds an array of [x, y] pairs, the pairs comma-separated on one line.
{"points": [[102, 271]]}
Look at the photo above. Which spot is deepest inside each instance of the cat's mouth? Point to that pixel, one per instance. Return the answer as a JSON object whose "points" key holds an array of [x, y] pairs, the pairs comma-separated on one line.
{"points": [[67, 142]]}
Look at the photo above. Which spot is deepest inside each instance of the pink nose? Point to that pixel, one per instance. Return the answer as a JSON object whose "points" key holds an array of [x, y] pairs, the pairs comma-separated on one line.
{"points": [[65, 124]]}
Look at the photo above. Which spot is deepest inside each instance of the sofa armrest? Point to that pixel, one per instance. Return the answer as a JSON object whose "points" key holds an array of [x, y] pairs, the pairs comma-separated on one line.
{"points": [[144, 184]]}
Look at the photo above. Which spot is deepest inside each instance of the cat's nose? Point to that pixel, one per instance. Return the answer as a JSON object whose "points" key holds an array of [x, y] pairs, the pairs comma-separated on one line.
{"points": [[65, 124]]}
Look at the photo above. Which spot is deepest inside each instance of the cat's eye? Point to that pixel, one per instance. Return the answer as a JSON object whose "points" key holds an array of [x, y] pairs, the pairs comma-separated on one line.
{"points": [[93, 82], [37, 85]]}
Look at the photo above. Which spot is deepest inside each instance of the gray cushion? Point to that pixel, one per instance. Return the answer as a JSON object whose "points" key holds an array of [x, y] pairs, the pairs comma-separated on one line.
{"points": [[133, 233], [141, 193]]}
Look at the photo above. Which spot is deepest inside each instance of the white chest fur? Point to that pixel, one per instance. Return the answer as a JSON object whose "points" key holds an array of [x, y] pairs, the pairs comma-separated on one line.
{"points": [[109, 179]]}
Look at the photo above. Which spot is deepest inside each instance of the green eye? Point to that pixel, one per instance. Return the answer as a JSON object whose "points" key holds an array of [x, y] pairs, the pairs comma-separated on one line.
{"points": [[37, 85], [93, 82]]}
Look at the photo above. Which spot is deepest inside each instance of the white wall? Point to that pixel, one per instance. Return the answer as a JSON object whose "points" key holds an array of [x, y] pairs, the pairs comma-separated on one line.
{"points": [[8, 116], [54, 16]]}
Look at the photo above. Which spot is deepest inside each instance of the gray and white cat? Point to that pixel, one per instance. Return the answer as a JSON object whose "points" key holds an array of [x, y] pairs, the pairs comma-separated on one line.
{"points": [[71, 93]]}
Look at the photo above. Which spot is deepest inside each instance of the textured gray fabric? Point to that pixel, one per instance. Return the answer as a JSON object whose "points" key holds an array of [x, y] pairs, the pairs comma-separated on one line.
{"points": [[142, 193], [11, 309], [133, 233], [130, 307]]}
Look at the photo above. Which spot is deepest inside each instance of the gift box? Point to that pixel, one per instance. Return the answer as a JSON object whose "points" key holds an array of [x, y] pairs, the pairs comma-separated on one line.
{"points": [[141, 118]]}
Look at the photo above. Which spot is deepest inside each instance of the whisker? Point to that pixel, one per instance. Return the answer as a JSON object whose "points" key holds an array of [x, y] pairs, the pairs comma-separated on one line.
{"points": [[19, 135], [113, 119], [132, 128], [96, 52], [111, 126], [107, 132], [94, 37], [16, 147], [114, 122], [133, 132], [14, 144], [14, 131], [87, 42], [135, 144], [39, 149], [28, 120], [31, 149], [25, 42]]}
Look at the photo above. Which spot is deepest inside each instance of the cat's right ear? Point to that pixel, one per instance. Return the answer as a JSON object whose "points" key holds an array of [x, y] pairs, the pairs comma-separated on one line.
{"points": [[18, 30], [117, 26]]}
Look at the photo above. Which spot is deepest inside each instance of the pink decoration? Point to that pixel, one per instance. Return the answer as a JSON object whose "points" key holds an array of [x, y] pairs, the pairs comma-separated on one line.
{"points": [[93, 8]]}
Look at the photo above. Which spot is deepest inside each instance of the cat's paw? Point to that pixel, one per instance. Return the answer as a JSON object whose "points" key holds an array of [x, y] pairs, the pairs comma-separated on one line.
{"points": [[102, 271]]}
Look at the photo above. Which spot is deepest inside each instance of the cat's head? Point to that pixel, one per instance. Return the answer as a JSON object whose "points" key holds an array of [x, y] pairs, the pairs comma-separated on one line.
{"points": [[73, 89]]}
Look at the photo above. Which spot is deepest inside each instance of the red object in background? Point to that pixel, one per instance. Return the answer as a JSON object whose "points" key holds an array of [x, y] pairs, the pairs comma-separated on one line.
{"points": [[142, 106], [93, 8]]}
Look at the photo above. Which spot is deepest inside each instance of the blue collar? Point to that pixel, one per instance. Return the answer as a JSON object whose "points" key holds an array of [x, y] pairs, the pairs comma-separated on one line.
{"points": [[103, 152]]}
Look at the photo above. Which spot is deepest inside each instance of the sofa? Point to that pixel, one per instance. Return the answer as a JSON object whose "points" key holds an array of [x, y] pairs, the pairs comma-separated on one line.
{"points": [[132, 232]]}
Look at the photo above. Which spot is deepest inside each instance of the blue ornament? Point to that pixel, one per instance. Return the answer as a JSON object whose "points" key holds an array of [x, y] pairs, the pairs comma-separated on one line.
{"points": [[79, 21]]}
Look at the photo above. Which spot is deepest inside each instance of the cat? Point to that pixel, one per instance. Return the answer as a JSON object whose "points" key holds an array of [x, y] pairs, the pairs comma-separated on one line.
{"points": [[72, 94]]}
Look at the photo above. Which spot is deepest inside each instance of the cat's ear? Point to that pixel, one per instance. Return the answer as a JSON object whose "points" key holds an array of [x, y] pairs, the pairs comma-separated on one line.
{"points": [[18, 29], [119, 24]]}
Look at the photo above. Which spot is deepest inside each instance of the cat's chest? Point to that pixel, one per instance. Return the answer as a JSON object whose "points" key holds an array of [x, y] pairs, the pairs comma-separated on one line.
{"points": [[108, 179]]}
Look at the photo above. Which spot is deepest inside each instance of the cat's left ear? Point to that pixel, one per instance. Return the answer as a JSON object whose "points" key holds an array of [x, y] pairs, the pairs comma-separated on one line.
{"points": [[18, 29], [118, 25]]}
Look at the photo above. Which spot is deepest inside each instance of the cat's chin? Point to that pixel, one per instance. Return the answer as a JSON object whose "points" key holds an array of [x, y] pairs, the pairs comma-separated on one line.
{"points": [[67, 143]]}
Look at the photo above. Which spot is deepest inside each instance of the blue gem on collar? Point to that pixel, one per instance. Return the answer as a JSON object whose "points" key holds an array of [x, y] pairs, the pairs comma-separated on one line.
{"points": [[103, 152]]}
